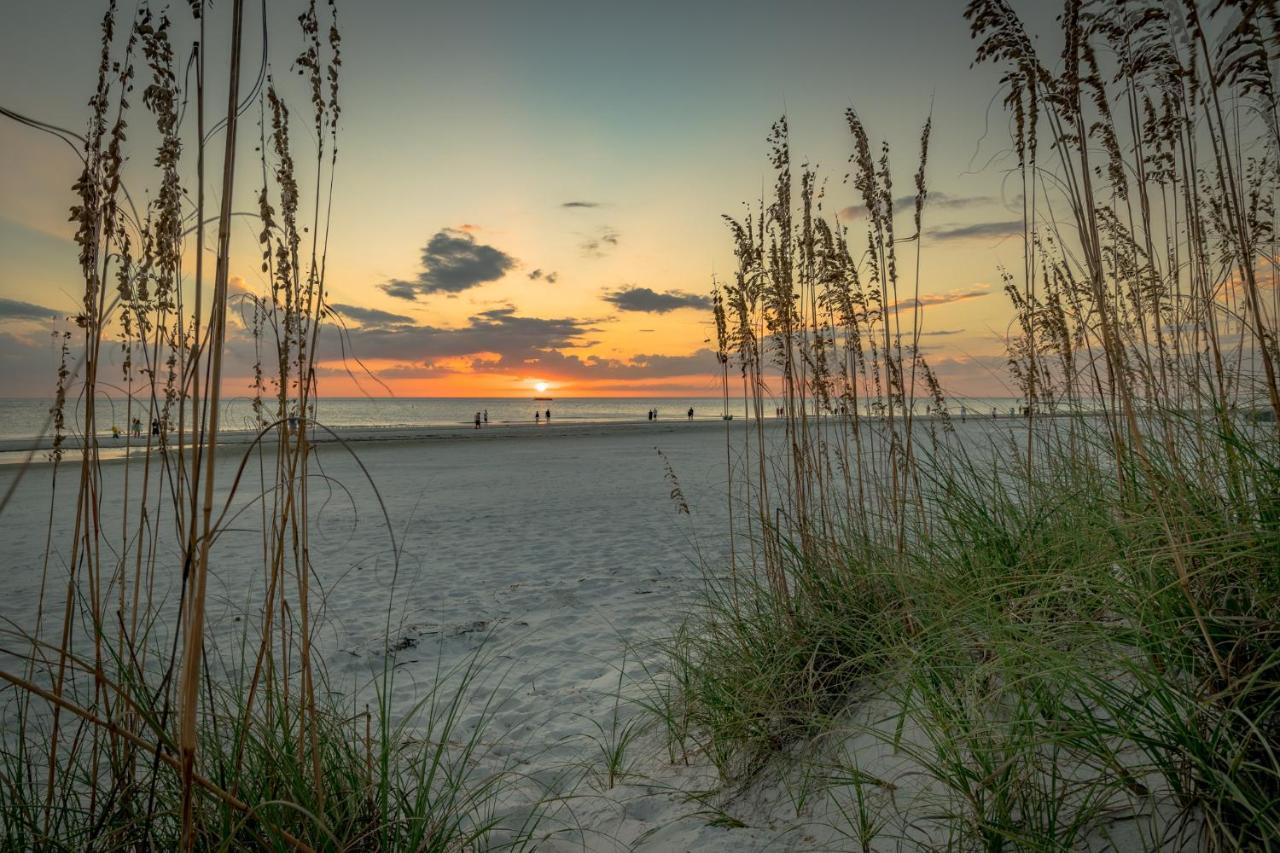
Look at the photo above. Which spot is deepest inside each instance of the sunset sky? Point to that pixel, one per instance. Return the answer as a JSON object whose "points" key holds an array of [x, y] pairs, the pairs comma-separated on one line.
{"points": [[532, 192]]}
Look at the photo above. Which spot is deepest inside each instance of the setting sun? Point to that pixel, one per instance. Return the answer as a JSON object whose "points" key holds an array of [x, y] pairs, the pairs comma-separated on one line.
{"points": [[541, 387]]}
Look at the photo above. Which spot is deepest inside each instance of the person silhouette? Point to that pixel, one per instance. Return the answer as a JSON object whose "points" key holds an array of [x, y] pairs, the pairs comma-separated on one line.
{"points": [[691, 413], [477, 420], [537, 417], [486, 417], [548, 416]]}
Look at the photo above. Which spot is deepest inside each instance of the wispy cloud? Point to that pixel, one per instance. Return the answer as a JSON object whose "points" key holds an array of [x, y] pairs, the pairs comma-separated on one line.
{"points": [[651, 301], [549, 278], [582, 204], [452, 261], [934, 201], [572, 366], [599, 244], [979, 230], [958, 294], [14, 309]]}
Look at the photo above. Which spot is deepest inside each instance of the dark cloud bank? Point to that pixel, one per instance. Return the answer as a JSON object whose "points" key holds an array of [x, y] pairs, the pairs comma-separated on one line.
{"points": [[651, 301], [15, 309], [503, 341]]}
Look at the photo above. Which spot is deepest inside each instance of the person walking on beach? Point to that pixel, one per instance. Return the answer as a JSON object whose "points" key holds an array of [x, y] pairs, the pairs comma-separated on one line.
{"points": [[115, 431], [477, 420], [691, 413], [537, 417], [486, 417], [137, 428], [155, 427], [548, 416]]}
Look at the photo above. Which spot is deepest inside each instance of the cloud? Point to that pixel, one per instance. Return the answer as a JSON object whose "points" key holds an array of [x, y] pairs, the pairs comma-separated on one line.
{"points": [[592, 367], [502, 341], [933, 202], [973, 375], [452, 261], [14, 309], [958, 294], [597, 246], [549, 278], [1011, 228], [371, 317], [940, 199], [511, 337], [943, 332], [31, 365], [581, 204], [644, 299]]}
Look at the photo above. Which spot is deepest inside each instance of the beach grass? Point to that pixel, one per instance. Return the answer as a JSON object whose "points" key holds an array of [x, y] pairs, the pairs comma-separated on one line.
{"points": [[127, 725], [1069, 626]]}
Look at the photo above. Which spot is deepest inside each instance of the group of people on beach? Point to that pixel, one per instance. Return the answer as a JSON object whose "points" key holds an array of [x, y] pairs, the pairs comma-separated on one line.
{"points": [[135, 427], [537, 416], [482, 417]]}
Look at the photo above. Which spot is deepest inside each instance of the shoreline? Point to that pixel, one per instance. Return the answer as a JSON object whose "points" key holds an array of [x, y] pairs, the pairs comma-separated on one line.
{"points": [[14, 450], [563, 428], [35, 451]]}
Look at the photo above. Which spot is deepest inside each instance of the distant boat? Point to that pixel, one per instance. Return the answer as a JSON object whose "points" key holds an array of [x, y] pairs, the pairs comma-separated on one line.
{"points": [[547, 399]]}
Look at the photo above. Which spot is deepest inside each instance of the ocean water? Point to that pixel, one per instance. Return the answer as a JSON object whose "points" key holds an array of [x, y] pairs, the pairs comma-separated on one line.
{"points": [[27, 418]]}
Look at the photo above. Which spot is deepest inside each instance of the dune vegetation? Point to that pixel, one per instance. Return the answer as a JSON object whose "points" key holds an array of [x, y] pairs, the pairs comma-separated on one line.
{"points": [[1075, 627], [124, 726]]}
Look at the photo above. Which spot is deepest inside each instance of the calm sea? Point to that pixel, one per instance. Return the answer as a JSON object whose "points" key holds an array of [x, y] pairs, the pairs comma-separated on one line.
{"points": [[25, 418]]}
